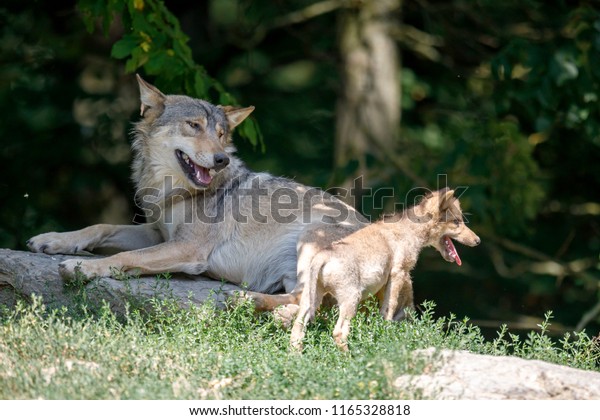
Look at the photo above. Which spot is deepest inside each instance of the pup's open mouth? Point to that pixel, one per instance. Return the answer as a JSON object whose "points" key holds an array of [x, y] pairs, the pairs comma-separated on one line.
{"points": [[451, 250], [199, 175]]}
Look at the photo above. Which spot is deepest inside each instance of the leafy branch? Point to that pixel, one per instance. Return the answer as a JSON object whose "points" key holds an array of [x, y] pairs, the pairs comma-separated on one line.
{"points": [[153, 41]]}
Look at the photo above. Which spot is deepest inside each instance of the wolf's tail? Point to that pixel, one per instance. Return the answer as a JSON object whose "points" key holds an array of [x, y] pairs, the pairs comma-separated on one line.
{"points": [[263, 302]]}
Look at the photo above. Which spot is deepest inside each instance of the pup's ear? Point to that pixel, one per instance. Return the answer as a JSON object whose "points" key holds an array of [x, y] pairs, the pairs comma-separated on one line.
{"points": [[446, 198], [150, 96], [235, 115]]}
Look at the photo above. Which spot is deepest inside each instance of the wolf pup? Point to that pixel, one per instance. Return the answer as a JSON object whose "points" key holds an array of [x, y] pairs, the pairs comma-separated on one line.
{"points": [[378, 260], [206, 212]]}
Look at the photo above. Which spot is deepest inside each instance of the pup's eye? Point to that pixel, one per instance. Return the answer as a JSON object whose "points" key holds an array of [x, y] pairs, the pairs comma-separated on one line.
{"points": [[194, 125], [457, 222]]}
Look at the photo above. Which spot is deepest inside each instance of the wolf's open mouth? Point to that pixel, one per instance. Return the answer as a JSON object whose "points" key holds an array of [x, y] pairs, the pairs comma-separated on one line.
{"points": [[199, 175], [451, 250]]}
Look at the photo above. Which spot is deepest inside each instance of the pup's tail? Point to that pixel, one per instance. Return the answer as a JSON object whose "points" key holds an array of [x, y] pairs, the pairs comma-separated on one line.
{"points": [[312, 295], [309, 302]]}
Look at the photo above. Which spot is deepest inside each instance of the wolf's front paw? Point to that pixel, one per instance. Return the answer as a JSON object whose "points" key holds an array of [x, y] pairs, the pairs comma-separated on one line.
{"points": [[236, 297], [87, 269], [53, 243]]}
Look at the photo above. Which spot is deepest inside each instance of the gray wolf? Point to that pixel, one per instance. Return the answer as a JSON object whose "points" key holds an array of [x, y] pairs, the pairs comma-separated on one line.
{"points": [[206, 212], [377, 260]]}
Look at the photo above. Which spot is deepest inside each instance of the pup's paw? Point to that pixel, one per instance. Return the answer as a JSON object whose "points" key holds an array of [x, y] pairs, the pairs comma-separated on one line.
{"points": [[54, 243], [296, 346], [75, 269], [296, 337], [286, 314]]}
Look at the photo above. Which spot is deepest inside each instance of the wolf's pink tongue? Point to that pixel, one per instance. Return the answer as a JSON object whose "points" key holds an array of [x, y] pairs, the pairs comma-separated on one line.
{"points": [[452, 250], [202, 175]]}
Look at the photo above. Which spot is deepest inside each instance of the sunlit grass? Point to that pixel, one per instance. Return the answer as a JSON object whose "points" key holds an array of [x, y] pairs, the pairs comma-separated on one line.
{"points": [[170, 352]]}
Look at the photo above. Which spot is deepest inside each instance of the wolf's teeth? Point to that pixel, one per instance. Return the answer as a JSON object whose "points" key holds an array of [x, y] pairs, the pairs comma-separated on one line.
{"points": [[185, 157]]}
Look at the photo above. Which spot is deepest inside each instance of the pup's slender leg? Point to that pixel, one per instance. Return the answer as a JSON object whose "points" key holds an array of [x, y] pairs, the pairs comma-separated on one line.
{"points": [[348, 309], [305, 315], [398, 284], [182, 257], [405, 299]]}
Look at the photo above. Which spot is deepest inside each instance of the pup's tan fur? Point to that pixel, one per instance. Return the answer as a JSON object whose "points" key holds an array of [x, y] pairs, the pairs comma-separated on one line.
{"points": [[184, 168], [378, 260]]}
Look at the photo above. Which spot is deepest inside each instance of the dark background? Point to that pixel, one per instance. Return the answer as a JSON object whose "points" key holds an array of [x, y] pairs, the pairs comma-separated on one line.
{"points": [[501, 97]]}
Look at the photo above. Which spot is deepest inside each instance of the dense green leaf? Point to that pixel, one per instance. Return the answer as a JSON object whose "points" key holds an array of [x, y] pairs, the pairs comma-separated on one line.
{"points": [[124, 47]]}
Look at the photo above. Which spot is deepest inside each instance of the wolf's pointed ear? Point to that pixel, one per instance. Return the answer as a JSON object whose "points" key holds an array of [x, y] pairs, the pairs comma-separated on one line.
{"points": [[150, 96], [235, 115], [446, 198]]}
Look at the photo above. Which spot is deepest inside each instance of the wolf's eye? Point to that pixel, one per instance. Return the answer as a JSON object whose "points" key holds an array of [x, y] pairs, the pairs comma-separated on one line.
{"points": [[220, 133], [457, 222], [194, 125]]}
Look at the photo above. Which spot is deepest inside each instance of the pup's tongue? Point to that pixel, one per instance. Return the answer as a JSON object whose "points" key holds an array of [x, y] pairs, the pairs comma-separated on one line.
{"points": [[202, 174], [452, 250]]}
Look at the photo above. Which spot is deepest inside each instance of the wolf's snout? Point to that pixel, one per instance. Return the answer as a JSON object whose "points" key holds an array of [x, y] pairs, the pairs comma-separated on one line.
{"points": [[221, 161]]}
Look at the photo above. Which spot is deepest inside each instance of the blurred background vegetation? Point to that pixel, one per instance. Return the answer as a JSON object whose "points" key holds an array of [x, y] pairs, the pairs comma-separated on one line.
{"points": [[499, 97]]}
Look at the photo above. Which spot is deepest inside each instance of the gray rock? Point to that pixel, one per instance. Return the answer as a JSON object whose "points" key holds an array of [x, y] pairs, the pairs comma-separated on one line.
{"points": [[25, 274], [462, 375]]}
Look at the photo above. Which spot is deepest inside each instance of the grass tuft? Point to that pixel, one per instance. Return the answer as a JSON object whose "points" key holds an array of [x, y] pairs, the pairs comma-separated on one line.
{"points": [[160, 350]]}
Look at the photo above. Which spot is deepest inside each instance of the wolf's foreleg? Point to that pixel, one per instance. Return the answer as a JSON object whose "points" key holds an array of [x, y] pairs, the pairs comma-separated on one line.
{"points": [[114, 237], [173, 257]]}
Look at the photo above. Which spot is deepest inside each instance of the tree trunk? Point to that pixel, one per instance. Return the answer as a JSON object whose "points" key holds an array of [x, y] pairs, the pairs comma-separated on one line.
{"points": [[368, 109]]}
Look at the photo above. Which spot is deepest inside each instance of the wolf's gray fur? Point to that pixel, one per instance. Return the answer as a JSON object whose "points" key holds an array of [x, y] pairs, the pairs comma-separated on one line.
{"points": [[206, 212]]}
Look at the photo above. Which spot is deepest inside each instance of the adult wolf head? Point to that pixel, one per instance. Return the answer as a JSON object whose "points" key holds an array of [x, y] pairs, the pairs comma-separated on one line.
{"points": [[206, 213], [183, 138]]}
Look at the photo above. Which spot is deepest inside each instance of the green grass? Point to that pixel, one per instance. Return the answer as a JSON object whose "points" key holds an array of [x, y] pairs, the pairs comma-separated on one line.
{"points": [[203, 352]]}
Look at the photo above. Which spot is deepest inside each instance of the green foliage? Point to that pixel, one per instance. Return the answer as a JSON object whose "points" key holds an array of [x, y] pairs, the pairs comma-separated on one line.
{"points": [[203, 353], [583, 351], [489, 155], [554, 83], [39, 136], [155, 42], [507, 106], [506, 180], [508, 112]]}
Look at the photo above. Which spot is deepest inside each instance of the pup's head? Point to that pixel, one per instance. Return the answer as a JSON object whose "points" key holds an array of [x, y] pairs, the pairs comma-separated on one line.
{"points": [[185, 138], [445, 222]]}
